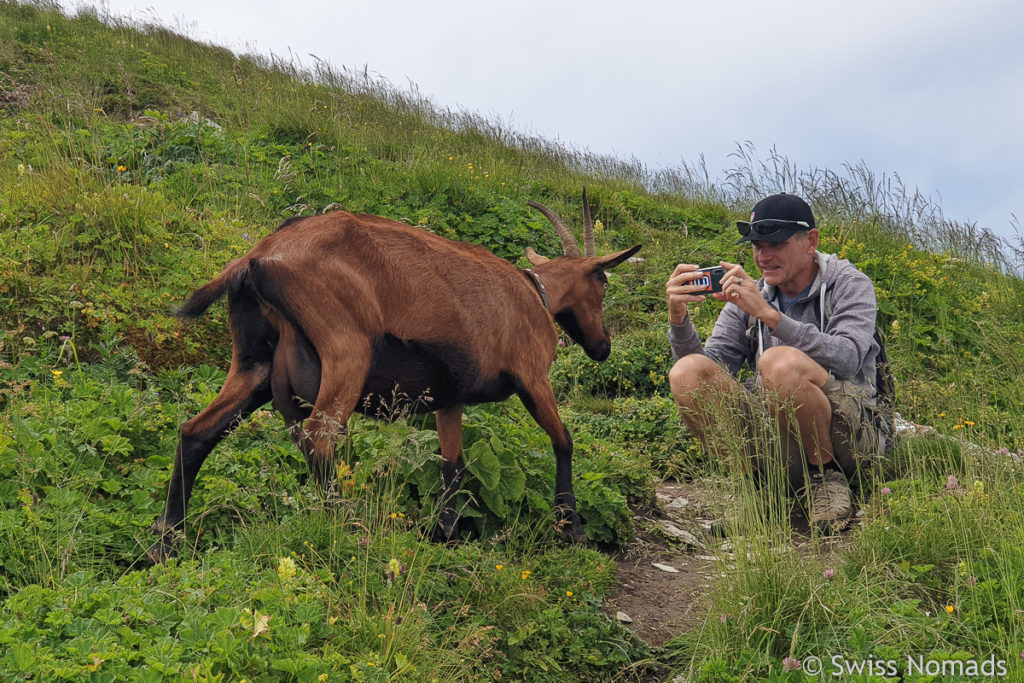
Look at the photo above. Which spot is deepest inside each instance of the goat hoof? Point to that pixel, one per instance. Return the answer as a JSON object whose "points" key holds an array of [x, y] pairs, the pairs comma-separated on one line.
{"points": [[570, 529], [161, 551], [573, 535]]}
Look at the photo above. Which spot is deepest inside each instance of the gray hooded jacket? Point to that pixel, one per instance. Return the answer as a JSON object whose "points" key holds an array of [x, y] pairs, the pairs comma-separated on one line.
{"points": [[844, 344]]}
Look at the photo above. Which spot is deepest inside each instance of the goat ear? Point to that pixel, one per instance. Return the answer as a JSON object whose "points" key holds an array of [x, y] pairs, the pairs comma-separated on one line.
{"points": [[534, 258], [612, 260]]}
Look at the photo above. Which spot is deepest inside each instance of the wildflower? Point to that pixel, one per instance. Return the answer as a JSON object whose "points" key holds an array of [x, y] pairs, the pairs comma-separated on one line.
{"points": [[790, 664], [395, 569], [568, 594], [968, 423], [57, 373], [499, 567], [524, 574], [723, 618], [394, 515], [286, 569], [65, 338], [950, 608], [561, 342], [958, 426], [886, 490], [942, 415], [121, 169], [951, 483], [21, 169], [979, 488], [598, 225], [1004, 451], [245, 236], [828, 573]]}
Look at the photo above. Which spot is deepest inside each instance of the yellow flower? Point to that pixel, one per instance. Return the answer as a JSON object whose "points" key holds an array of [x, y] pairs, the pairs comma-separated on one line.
{"points": [[57, 373], [394, 515], [121, 169], [949, 608], [499, 567], [568, 593], [942, 415], [286, 569], [958, 426], [968, 423], [525, 574]]}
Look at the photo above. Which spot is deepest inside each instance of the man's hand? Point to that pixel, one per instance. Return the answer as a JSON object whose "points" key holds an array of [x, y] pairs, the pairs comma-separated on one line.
{"points": [[679, 292], [741, 289]]}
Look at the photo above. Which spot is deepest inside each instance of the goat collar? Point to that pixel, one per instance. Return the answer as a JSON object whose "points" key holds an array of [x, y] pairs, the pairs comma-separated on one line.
{"points": [[539, 284]]}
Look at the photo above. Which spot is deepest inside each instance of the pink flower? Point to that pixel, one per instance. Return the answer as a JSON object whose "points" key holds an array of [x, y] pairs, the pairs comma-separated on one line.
{"points": [[790, 664], [561, 342], [723, 620], [951, 483], [1004, 451], [886, 490], [828, 573]]}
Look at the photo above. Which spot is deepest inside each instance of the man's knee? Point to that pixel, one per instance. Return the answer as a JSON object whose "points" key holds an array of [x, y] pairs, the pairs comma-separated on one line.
{"points": [[691, 373], [785, 369]]}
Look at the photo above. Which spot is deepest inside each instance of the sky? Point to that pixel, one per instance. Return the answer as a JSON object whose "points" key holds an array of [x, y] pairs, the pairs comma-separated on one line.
{"points": [[931, 90]]}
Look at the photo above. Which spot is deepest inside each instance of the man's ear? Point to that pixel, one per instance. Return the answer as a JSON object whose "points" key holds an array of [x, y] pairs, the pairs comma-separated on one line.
{"points": [[812, 237]]}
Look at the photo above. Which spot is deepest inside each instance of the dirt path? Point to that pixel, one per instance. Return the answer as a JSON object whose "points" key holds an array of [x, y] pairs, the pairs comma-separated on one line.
{"points": [[662, 603], [666, 574]]}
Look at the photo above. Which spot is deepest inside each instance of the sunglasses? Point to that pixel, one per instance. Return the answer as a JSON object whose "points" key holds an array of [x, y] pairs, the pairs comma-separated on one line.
{"points": [[768, 226]]}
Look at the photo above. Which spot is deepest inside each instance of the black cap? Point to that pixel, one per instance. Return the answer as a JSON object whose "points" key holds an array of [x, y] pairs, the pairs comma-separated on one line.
{"points": [[776, 219]]}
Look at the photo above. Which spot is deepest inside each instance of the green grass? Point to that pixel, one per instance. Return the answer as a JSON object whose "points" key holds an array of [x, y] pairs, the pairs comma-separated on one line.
{"points": [[116, 201]]}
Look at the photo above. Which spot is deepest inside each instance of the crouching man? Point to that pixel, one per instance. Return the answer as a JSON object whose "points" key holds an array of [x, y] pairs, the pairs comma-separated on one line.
{"points": [[807, 326]]}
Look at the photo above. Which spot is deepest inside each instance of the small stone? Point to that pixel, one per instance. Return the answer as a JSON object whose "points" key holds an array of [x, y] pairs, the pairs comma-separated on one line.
{"points": [[666, 567], [675, 532], [623, 617]]}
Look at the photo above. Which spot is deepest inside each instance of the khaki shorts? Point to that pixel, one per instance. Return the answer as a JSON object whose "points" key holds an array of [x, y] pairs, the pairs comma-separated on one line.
{"points": [[856, 436]]}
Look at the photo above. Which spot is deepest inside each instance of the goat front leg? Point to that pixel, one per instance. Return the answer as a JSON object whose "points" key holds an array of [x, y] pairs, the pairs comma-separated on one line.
{"points": [[544, 409], [449, 432]]}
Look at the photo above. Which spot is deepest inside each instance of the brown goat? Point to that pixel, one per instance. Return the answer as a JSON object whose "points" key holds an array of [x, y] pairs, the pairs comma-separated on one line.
{"points": [[339, 313]]}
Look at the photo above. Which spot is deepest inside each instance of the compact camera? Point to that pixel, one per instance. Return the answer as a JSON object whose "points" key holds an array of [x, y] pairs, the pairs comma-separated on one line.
{"points": [[710, 280]]}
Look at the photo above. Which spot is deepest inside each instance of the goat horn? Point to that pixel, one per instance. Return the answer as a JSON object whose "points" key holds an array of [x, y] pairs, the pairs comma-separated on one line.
{"points": [[569, 244], [588, 228]]}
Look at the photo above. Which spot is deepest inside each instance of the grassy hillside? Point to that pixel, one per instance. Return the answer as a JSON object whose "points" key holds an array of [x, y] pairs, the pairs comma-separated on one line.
{"points": [[136, 163]]}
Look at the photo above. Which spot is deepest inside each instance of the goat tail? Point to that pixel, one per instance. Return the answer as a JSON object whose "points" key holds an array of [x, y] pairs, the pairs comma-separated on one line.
{"points": [[205, 296]]}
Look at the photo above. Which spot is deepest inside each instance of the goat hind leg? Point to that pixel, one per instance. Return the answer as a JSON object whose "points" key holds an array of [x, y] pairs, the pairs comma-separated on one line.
{"points": [[243, 392], [340, 386]]}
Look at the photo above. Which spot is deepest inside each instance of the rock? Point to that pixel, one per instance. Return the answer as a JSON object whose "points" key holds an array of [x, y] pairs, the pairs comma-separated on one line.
{"points": [[665, 567], [672, 531], [623, 618]]}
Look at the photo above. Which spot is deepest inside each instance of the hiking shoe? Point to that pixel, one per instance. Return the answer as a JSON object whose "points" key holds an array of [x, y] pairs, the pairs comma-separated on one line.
{"points": [[829, 495]]}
